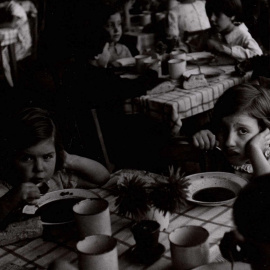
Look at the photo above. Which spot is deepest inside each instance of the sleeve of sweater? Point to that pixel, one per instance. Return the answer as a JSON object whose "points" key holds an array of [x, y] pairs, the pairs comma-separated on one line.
{"points": [[248, 49]]}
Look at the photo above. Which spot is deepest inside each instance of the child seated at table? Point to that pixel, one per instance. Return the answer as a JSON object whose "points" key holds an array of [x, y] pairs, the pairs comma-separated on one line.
{"points": [[250, 242], [188, 22], [14, 16], [113, 26], [34, 161], [231, 38], [240, 128]]}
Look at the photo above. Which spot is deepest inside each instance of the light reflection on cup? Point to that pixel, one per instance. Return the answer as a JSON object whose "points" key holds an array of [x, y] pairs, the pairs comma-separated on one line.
{"points": [[140, 66], [189, 247], [144, 19], [97, 252], [160, 16], [178, 55], [92, 216], [176, 68]]}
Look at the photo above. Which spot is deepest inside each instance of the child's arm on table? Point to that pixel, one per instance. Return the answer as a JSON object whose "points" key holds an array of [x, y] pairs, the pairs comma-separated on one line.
{"points": [[255, 150], [249, 49], [88, 168]]}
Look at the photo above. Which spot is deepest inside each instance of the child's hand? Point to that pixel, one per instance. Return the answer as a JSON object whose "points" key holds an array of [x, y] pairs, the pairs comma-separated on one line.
{"points": [[104, 57], [204, 139], [214, 45], [260, 141], [29, 193]]}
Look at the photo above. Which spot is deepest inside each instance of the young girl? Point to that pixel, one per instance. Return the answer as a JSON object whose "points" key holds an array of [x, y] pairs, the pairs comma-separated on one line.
{"points": [[113, 26], [14, 16], [240, 128], [231, 39], [35, 159]]}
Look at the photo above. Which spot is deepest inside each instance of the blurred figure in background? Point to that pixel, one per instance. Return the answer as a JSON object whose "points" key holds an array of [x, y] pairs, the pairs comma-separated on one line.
{"points": [[187, 23]]}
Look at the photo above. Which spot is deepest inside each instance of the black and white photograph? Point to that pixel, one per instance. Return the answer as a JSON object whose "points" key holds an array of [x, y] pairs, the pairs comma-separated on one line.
{"points": [[134, 134]]}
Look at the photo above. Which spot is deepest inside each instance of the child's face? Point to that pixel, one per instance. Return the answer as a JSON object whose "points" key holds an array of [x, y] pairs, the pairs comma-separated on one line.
{"points": [[36, 164], [114, 27], [221, 22], [235, 131]]}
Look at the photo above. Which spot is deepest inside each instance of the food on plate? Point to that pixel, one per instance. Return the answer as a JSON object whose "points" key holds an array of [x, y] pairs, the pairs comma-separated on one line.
{"points": [[195, 81], [213, 194]]}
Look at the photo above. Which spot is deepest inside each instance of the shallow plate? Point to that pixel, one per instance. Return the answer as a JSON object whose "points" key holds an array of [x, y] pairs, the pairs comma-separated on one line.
{"points": [[208, 72], [124, 62], [224, 266], [199, 58], [60, 198], [206, 180]]}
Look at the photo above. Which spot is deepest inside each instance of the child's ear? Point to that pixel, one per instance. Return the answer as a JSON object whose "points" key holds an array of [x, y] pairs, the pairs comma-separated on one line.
{"points": [[264, 82]]}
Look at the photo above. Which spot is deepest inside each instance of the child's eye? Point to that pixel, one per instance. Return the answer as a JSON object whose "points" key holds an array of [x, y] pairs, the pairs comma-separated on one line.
{"points": [[48, 157], [27, 158], [243, 131]]}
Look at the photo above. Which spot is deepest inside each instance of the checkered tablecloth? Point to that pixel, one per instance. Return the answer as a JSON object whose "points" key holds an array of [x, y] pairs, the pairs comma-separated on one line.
{"points": [[173, 106], [8, 36], [39, 253]]}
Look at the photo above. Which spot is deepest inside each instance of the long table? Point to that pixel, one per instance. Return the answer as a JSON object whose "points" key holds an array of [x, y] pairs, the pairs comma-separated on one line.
{"points": [[38, 253], [173, 106]]}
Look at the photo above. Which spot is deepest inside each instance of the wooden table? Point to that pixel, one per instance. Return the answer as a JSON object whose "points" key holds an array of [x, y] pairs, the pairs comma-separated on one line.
{"points": [[173, 106], [39, 253]]}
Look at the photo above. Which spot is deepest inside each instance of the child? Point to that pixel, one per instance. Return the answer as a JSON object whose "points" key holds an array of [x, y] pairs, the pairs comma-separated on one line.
{"points": [[231, 39], [36, 159], [14, 16], [113, 26], [188, 16], [250, 241], [240, 128]]}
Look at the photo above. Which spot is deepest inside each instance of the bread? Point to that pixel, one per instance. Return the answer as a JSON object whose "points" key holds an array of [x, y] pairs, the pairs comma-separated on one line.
{"points": [[21, 230], [195, 81], [161, 88]]}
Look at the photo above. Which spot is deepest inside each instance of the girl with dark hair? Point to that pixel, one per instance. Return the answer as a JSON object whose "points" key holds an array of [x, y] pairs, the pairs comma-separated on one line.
{"points": [[38, 163], [240, 128]]}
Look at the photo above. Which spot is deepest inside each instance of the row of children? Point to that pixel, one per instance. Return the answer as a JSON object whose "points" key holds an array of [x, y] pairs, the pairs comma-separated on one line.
{"points": [[198, 25]]}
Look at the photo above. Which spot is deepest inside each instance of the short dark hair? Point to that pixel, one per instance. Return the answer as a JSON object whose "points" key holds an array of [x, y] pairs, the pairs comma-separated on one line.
{"points": [[228, 7], [31, 125], [251, 99], [251, 210]]}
